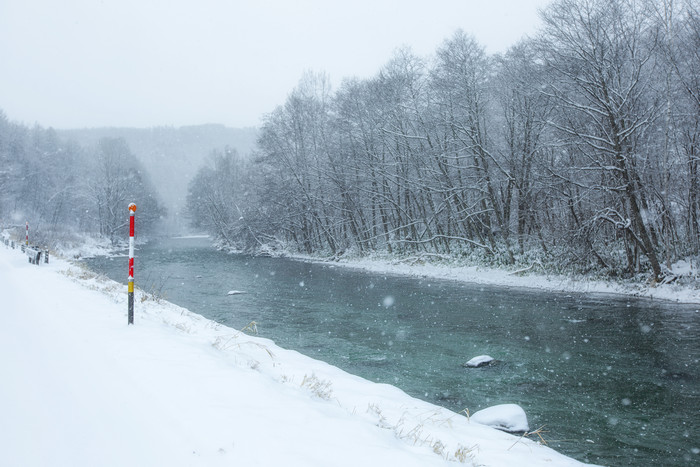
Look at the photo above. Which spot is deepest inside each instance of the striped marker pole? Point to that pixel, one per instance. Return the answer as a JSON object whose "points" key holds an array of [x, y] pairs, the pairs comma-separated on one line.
{"points": [[132, 210]]}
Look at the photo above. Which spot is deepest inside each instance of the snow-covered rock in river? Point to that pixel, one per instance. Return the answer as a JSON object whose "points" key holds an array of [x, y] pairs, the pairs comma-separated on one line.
{"points": [[235, 292], [506, 417], [481, 360]]}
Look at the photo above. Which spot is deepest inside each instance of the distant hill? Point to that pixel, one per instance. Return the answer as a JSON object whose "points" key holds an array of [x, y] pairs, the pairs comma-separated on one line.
{"points": [[172, 155]]}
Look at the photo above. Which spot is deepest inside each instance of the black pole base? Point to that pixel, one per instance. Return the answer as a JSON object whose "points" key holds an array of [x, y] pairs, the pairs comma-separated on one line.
{"points": [[131, 307]]}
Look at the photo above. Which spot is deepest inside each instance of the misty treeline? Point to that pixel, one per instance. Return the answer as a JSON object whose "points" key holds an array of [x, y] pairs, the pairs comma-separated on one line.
{"points": [[578, 148], [65, 190]]}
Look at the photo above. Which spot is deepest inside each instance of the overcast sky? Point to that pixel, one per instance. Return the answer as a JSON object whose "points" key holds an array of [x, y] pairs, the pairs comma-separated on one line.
{"points": [[142, 63]]}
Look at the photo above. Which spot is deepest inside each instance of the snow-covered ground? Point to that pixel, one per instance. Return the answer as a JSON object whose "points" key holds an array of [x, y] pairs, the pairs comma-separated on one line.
{"points": [[689, 292], [82, 388]]}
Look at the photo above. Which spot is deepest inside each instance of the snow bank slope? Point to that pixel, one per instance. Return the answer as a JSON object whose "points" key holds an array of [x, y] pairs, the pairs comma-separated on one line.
{"points": [[79, 387], [688, 293]]}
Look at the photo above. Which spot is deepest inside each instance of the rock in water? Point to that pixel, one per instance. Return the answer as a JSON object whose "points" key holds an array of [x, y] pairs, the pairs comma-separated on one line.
{"points": [[235, 292], [481, 360], [505, 417]]}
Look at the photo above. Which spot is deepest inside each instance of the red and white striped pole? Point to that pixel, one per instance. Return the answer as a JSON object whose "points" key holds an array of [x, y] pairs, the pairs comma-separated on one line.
{"points": [[132, 210], [26, 239]]}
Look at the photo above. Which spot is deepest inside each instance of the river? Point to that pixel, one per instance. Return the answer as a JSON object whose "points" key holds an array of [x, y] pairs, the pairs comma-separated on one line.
{"points": [[611, 380]]}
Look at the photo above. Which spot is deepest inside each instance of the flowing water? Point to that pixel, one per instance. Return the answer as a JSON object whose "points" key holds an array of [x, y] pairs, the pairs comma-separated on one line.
{"points": [[612, 380]]}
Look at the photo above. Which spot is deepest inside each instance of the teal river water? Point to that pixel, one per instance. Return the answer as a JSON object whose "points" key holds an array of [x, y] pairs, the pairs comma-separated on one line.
{"points": [[613, 380]]}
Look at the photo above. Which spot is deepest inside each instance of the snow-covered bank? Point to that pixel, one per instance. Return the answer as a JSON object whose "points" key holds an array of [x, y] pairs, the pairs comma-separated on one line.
{"points": [[527, 278], [80, 387]]}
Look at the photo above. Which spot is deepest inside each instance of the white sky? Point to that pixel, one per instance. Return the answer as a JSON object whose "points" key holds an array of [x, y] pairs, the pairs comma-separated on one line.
{"points": [[142, 63]]}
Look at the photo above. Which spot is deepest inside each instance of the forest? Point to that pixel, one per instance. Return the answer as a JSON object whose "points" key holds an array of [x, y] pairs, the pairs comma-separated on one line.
{"points": [[576, 150], [66, 191]]}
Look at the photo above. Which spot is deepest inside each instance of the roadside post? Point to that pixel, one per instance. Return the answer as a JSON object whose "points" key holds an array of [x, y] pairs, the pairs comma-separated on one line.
{"points": [[26, 238], [132, 211]]}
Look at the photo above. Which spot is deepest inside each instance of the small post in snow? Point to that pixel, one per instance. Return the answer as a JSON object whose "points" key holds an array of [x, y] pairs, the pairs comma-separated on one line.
{"points": [[26, 239], [132, 210]]}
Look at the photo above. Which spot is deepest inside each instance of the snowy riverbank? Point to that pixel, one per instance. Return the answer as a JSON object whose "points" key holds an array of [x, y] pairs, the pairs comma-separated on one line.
{"points": [[687, 293], [80, 387]]}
